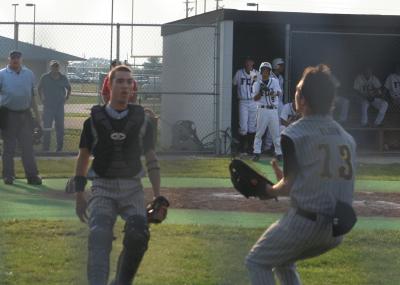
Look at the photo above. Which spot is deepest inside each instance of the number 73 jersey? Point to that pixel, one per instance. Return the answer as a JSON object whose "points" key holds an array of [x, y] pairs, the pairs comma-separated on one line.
{"points": [[325, 155]]}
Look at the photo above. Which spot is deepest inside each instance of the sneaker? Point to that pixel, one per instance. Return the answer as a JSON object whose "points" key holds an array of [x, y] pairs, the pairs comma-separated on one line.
{"points": [[8, 180], [256, 157], [34, 180]]}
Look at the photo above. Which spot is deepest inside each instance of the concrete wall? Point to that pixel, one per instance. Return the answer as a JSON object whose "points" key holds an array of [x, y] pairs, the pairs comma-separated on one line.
{"points": [[188, 67]]}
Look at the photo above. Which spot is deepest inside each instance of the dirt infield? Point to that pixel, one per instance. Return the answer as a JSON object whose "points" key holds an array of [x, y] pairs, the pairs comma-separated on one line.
{"points": [[365, 203], [226, 199]]}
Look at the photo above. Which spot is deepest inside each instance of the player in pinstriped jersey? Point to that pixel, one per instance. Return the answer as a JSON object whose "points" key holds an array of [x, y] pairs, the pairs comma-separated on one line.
{"points": [[243, 80], [318, 172], [266, 92]]}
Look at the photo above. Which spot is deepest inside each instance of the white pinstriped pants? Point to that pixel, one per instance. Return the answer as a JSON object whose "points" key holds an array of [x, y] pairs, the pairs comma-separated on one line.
{"points": [[288, 240], [112, 197]]}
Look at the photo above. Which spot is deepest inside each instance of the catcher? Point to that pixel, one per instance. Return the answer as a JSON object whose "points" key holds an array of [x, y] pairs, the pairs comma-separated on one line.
{"points": [[117, 134], [318, 176], [368, 87]]}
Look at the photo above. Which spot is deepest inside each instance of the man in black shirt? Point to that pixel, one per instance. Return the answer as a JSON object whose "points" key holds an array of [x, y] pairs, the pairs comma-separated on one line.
{"points": [[116, 135]]}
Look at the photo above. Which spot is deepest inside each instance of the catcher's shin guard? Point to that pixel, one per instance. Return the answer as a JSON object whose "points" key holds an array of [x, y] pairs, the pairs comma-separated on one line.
{"points": [[100, 243], [250, 142], [242, 143], [135, 245]]}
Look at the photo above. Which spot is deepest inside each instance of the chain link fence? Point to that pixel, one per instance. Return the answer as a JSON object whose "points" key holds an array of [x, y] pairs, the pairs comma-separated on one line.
{"points": [[183, 97]]}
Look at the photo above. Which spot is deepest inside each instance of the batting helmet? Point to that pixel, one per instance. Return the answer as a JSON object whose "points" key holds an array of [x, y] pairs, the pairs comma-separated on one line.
{"points": [[277, 61], [265, 65]]}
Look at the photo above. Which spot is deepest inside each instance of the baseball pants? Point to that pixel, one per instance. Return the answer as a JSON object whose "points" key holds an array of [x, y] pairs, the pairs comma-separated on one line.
{"points": [[379, 104], [247, 117], [110, 198], [342, 105], [56, 115], [288, 240], [267, 118]]}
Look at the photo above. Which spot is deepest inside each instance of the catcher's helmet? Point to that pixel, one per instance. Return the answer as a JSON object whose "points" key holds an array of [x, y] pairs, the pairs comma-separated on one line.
{"points": [[265, 65], [276, 62]]}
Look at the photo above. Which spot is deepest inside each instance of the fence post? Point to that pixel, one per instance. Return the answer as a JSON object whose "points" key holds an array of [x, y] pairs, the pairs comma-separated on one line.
{"points": [[217, 86], [118, 40], [16, 30]]}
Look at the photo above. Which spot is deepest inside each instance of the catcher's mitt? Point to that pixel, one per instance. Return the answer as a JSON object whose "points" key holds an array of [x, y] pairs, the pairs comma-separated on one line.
{"points": [[157, 210], [248, 181]]}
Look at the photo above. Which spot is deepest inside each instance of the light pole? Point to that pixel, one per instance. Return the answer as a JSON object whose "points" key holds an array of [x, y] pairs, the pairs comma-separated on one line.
{"points": [[34, 19], [112, 28], [252, 5], [15, 11]]}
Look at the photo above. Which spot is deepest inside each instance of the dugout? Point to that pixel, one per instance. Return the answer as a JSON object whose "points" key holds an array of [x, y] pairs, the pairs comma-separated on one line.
{"points": [[346, 42]]}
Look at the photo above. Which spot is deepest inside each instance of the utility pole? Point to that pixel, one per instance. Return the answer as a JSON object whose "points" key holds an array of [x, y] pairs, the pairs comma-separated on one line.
{"points": [[195, 7], [217, 4], [205, 6], [187, 8]]}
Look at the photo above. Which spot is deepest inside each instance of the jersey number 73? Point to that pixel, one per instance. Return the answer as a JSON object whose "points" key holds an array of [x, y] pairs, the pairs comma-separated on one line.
{"points": [[345, 171]]}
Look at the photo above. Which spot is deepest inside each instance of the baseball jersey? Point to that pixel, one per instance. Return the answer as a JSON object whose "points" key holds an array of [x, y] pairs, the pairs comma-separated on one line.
{"points": [[272, 86], [244, 82], [280, 78], [288, 112], [363, 85], [392, 84], [325, 155]]}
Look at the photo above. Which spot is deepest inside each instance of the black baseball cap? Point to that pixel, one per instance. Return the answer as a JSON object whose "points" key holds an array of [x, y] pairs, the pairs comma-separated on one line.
{"points": [[15, 53]]}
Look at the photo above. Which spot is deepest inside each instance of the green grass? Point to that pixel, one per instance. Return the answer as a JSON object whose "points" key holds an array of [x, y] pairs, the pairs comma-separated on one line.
{"points": [[188, 254], [85, 87], [71, 141], [83, 100], [79, 115], [206, 167]]}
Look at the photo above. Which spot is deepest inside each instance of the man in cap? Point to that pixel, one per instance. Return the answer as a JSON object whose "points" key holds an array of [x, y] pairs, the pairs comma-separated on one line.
{"points": [[243, 81], [54, 89], [278, 69], [16, 101], [265, 93]]}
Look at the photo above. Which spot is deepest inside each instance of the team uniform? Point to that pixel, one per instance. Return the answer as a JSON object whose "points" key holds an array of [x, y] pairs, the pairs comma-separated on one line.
{"points": [[288, 114], [364, 86], [320, 155], [117, 141], [247, 106], [267, 113], [342, 104], [281, 81], [392, 84]]}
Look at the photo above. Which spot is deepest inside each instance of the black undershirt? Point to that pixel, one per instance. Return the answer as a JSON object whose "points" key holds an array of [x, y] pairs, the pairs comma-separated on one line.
{"points": [[290, 164]]}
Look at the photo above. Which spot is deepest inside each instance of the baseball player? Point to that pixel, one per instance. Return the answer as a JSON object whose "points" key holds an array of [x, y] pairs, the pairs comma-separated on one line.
{"points": [[278, 69], [243, 80], [288, 115], [318, 176], [368, 87], [341, 103], [116, 135], [392, 85], [266, 93]]}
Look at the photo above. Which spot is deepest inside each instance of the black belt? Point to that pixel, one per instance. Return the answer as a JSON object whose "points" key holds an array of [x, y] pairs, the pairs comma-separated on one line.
{"points": [[267, 107], [306, 214]]}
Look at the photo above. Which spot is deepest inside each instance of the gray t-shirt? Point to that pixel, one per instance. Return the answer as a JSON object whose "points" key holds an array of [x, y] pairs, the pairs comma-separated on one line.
{"points": [[325, 154], [54, 90]]}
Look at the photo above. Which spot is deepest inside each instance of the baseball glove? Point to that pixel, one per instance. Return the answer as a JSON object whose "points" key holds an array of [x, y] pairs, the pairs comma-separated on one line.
{"points": [[248, 181], [157, 210], [76, 184]]}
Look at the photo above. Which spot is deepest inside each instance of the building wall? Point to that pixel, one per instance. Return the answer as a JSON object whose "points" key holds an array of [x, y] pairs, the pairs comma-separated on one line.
{"points": [[188, 67]]}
